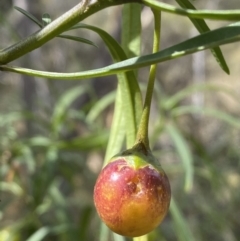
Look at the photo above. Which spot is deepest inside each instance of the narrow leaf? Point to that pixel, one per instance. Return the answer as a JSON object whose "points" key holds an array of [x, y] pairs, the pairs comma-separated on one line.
{"points": [[118, 237], [202, 27], [131, 43], [227, 15], [131, 29], [234, 121], [104, 232], [78, 39], [11, 187], [184, 154], [29, 15], [170, 102], [28, 158], [39, 234], [8, 118], [117, 132], [39, 141], [224, 35], [84, 143], [100, 105], [63, 104], [182, 230]]}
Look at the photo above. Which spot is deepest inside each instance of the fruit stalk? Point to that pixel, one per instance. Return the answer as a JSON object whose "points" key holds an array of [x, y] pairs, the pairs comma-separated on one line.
{"points": [[142, 134]]}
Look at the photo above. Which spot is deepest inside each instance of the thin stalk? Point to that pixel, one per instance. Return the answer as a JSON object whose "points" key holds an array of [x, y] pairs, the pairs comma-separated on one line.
{"points": [[142, 134]]}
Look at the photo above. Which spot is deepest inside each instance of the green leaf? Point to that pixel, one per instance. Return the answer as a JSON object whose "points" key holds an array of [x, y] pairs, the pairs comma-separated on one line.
{"points": [[202, 27], [173, 100], [57, 197], [182, 230], [131, 29], [224, 35], [184, 154], [100, 105], [9, 118], [63, 104], [84, 143], [78, 39], [85, 220], [12, 187], [28, 158], [39, 141], [46, 19], [131, 105], [228, 15], [104, 232], [117, 132], [131, 44], [231, 120], [189, 10], [118, 237], [39, 234], [29, 15]]}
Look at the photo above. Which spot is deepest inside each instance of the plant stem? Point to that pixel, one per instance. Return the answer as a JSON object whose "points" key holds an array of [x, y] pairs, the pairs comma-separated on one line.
{"points": [[81, 11], [142, 135]]}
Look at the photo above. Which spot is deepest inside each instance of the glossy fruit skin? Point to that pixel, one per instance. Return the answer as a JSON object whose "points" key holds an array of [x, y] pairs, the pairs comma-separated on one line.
{"points": [[132, 196]]}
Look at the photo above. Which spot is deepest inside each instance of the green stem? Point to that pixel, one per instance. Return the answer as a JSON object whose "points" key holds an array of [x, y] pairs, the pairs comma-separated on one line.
{"points": [[81, 11], [142, 135]]}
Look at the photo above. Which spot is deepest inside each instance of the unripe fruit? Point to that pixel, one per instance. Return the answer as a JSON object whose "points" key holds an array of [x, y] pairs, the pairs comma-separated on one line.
{"points": [[131, 195]]}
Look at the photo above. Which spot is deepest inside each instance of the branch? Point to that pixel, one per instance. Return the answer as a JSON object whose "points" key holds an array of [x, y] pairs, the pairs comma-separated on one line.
{"points": [[81, 11]]}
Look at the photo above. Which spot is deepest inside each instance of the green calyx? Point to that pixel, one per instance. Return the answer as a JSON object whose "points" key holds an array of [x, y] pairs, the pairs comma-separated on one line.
{"points": [[138, 157]]}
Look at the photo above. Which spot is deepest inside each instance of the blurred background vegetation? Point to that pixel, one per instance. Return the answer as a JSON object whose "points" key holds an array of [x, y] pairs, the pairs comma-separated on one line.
{"points": [[53, 134]]}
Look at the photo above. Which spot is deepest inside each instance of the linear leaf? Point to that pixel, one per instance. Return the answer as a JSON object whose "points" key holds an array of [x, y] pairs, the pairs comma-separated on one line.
{"points": [[184, 154], [84, 143], [63, 104], [11, 187], [29, 15], [182, 230], [202, 27], [131, 44], [104, 232], [100, 105], [8, 118], [228, 15], [170, 102], [118, 237], [39, 234], [117, 132], [234, 121], [78, 39], [39, 141], [131, 28], [224, 35]]}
